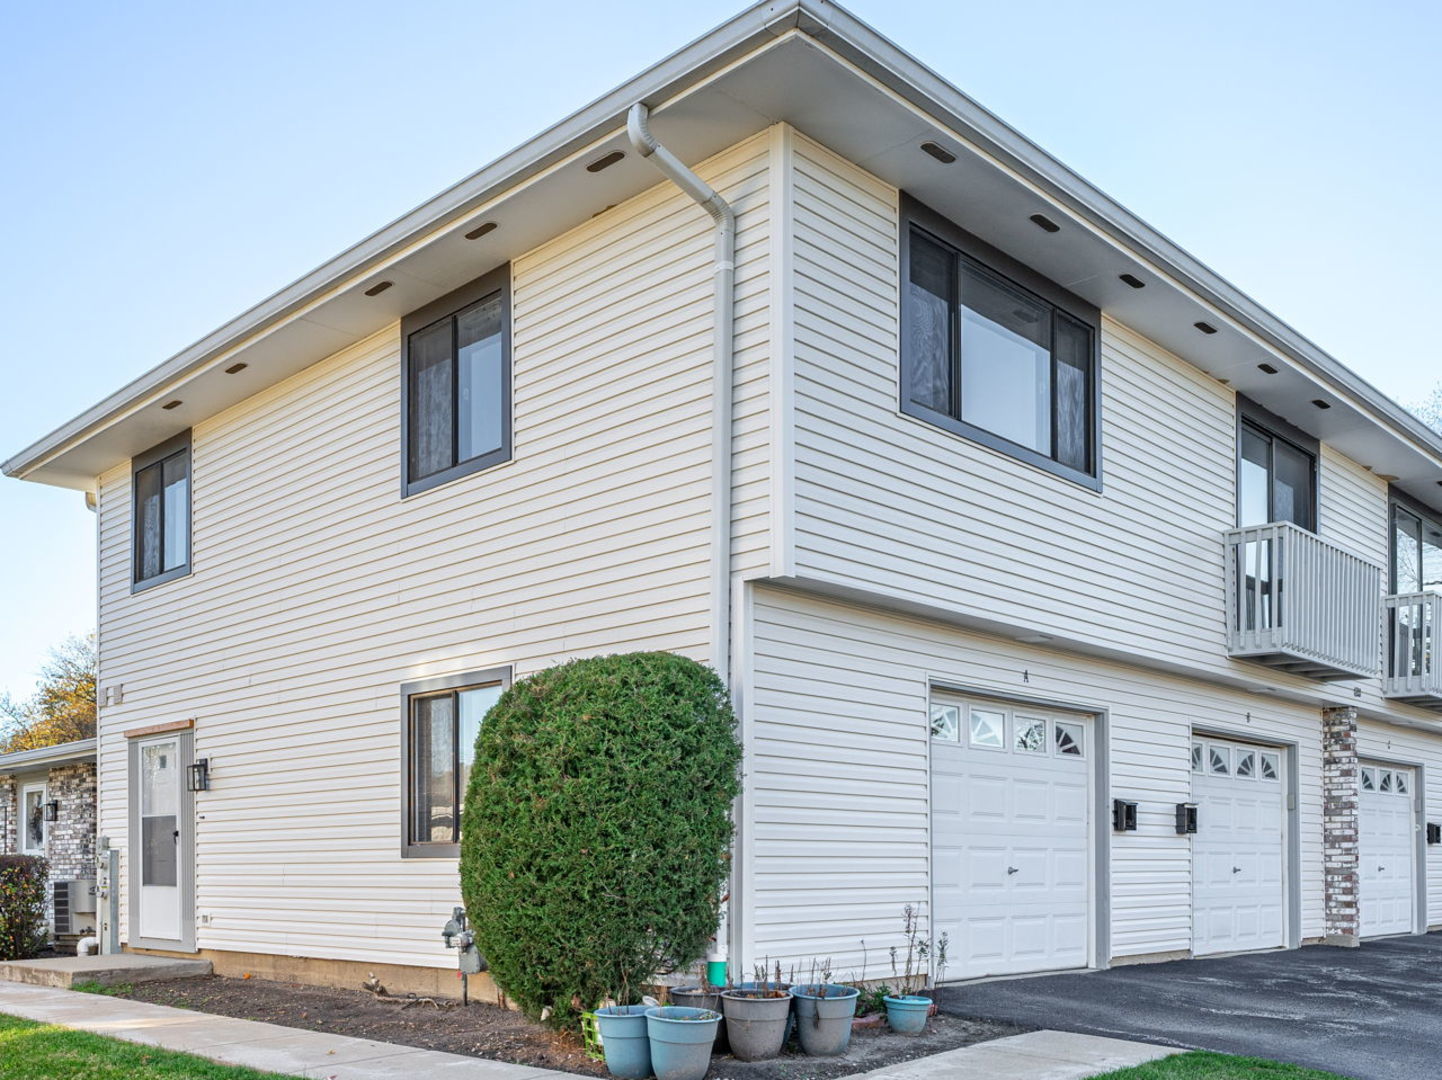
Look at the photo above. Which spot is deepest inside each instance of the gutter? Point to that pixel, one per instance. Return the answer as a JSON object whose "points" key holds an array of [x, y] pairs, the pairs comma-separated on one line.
{"points": [[723, 366]]}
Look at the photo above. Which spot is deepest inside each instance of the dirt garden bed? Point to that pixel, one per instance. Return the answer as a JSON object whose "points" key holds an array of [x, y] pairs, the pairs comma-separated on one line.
{"points": [[503, 1035]]}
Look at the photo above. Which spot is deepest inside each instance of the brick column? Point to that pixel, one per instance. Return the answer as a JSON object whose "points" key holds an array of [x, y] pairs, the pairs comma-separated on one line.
{"points": [[1339, 824]]}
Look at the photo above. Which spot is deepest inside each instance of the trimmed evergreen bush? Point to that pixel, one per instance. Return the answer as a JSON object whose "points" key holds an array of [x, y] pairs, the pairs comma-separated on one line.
{"points": [[22, 905], [594, 839]]}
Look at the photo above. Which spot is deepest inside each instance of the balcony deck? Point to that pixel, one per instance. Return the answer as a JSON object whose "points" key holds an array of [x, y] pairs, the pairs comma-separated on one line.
{"points": [[1413, 674], [1300, 604]]}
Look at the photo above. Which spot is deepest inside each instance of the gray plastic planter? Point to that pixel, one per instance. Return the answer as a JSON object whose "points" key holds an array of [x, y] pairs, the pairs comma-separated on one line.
{"points": [[681, 1041], [823, 1017], [625, 1040], [697, 997], [755, 1025]]}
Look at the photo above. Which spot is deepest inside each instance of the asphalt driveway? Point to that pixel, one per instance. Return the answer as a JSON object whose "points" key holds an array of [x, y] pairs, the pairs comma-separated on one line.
{"points": [[1374, 1013]]}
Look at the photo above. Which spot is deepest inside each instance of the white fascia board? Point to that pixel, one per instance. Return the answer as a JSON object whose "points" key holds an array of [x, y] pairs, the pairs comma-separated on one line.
{"points": [[63, 754]]}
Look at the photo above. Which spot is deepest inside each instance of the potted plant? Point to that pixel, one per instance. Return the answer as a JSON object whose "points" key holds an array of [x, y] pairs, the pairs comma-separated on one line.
{"points": [[625, 1040], [906, 1011], [681, 1041], [704, 996], [757, 1016], [824, 1011]]}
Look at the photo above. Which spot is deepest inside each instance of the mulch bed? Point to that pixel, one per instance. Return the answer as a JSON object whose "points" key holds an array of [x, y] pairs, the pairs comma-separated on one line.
{"points": [[505, 1035]]}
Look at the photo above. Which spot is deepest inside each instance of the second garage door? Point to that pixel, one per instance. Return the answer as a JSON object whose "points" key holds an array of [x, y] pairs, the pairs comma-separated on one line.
{"points": [[1239, 850], [1387, 842], [1011, 837]]}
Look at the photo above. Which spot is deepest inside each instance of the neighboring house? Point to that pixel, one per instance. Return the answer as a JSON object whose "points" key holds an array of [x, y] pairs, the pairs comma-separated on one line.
{"points": [[1018, 534], [47, 807]]}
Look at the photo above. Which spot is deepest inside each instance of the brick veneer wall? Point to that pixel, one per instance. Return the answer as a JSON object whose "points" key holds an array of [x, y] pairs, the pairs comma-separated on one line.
{"points": [[9, 815], [70, 844], [1340, 854]]}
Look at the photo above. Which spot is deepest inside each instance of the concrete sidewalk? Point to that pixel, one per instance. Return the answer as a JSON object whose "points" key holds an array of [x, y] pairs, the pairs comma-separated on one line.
{"points": [[1039, 1055]]}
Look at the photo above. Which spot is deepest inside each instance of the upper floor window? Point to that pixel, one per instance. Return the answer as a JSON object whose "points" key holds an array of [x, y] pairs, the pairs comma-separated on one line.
{"points": [[1276, 470], [160, 480], [994, 351], [443, 718], [456, 359], [1416, 549]]}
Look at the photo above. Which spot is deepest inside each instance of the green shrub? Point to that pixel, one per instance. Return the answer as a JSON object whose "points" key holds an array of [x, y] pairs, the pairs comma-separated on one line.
{"points": [[596, 825], [22, 905]]}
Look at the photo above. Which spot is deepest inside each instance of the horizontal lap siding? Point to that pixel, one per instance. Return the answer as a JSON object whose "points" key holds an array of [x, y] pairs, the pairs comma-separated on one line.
{"points": [[317, 591], [892, 505], [838, 775], [1353, 510], [1409, 747]]}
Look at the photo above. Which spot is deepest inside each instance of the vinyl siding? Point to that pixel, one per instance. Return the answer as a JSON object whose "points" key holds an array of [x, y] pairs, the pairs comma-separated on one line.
{"points": [[838, 774], [317, 591], [891, 505]]}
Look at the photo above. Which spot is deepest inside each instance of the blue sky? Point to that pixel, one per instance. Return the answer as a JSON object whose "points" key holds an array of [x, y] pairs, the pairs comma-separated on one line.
{"points": [[169, 164]]}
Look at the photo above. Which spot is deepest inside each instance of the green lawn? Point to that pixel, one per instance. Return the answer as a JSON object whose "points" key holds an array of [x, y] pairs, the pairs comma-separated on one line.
{"points": [[30, 1051], [1201, 1065]]}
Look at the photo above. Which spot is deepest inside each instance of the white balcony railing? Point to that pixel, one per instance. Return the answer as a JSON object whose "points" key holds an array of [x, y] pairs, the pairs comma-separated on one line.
{"points": [[1413, 623], [1301, 604]]}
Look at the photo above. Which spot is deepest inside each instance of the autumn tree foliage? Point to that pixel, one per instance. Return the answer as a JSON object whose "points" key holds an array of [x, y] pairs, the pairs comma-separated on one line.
{"points": [[62, 709]]}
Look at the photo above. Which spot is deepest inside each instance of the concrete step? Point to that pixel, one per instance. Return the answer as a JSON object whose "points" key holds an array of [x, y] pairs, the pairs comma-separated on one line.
{"points": [[66, 971]]}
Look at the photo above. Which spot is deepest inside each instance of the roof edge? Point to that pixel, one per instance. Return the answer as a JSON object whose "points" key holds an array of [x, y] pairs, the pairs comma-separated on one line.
{"points": [[60, 754]]}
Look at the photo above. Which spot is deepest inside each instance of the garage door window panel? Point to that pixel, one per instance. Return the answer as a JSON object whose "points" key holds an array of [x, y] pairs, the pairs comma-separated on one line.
{"points": [[988, 729], [946, 723], [1030, 735]]}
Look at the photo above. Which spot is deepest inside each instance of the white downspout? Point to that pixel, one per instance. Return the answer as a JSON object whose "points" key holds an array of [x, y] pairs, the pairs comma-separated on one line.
{"points": [[722, 369]]}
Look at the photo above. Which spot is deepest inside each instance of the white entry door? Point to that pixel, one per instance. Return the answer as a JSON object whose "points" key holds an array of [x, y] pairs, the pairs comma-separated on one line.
{"points": [[1387, 843], [158, 869], [1011, 837], [1239, 850]]}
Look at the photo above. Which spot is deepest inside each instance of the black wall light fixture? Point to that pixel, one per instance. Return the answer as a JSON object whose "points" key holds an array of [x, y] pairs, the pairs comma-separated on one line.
{"points": [[52, 810], [197, 775], [1124, 815], [1186, 818], [1434, 833]]}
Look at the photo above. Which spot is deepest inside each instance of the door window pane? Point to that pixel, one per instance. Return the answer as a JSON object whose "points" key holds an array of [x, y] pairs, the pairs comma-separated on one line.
{"points": [[929, 293], [32, 822], [1005, 361], [1255, 504], [1070, 739], [431, 402], [1196, 757], [946, 723], [1220, 760], [159, 813], [1292, 492], [1369, 779], [987, 728], [1246, 764], [1031, 735], [479, 374], [1270, 764]]}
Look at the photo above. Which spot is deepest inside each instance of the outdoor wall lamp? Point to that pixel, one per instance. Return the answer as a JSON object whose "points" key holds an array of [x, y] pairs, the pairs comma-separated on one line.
{"points": [[197, 775], [1186, 818], [1434, 833], [52, 810], [1124, 815]]}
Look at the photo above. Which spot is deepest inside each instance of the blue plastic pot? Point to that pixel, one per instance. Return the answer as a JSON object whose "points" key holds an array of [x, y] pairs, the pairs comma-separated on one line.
{"points": [[907, 1014], [823, 1017], [681, 1041], [625, 1040]]}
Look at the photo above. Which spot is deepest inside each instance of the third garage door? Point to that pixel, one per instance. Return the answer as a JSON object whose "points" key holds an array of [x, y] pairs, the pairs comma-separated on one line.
{"points": [[1239, 850], [1387, 843]]}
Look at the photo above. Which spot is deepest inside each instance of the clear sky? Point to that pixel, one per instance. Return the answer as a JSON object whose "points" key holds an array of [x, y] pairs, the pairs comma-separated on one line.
{"points": [[166, 165]]}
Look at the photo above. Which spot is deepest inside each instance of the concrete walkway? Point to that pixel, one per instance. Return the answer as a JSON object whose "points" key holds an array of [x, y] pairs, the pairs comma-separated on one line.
{"points": [[1039, 1055], [66, 971]]}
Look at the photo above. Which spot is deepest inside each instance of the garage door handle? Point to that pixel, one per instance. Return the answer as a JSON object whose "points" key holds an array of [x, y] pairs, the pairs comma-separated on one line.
{"points": [[1011, 870], [1380, 869], [1236, 869]]}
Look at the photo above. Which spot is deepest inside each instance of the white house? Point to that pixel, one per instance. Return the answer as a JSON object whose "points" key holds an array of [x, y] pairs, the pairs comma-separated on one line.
{"points": [[1027, 543]]}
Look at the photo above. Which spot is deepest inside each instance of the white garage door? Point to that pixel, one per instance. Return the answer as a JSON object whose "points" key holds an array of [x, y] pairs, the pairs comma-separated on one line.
{"points": [[1387, 842], [1011, 837], [1239, 850]]}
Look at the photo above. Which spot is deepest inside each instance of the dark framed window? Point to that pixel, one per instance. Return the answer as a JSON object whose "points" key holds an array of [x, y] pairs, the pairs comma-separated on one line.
{"points": [[160, 510], [442, 719], [993, 351], [1416, 547], [1276, 469], [456, 377]]}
